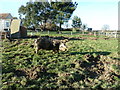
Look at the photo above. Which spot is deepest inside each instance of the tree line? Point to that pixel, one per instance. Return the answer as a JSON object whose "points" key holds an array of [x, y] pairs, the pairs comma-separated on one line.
{"points": [[35, 14]]}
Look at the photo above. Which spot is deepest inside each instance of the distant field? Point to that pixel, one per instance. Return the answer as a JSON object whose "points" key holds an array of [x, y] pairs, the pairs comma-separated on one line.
{"points": [[88, 63]]}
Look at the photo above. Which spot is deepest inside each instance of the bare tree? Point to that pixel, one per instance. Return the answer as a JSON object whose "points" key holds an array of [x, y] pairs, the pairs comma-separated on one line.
{"points": [[105, 27]]}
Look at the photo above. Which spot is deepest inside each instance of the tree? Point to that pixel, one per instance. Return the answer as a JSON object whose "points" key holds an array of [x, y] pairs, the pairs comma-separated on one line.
{"points": [[34, 13], [76, 22], [105, 27], [84, 26], [49, 26], [38, 13], [63, 11]]}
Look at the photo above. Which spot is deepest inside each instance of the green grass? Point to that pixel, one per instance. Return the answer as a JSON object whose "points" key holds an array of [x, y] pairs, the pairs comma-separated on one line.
{"points": [[87, 64]]}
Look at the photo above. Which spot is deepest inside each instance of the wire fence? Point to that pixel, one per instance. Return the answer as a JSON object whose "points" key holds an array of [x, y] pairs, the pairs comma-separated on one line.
{"points": [[113, 34]]}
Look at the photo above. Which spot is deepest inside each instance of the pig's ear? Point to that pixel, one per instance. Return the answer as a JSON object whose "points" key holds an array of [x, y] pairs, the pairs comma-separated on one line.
{"points": [[35, 41], [65, 40], [54, 43]]}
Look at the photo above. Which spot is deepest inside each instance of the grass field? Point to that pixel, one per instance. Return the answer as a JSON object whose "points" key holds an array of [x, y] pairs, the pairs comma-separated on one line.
{"points": [[88, 63]]}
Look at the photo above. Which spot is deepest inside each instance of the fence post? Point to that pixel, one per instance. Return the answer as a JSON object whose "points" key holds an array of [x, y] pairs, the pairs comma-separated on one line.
{"points": [[48, 32], [71, 33], [31, 33], [107, 34], [83, 32], [94, 33], [115, 34], [99, 33]]}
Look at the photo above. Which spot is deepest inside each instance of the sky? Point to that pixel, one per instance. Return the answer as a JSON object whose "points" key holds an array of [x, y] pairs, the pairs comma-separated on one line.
{"points": [[94, 13]]}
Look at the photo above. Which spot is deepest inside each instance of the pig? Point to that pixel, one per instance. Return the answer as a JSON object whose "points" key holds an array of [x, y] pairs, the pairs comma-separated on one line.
{"points": [[50, 44]]}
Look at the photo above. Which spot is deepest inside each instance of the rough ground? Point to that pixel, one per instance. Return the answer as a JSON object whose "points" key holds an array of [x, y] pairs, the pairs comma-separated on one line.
{"points": [[88, 63]]}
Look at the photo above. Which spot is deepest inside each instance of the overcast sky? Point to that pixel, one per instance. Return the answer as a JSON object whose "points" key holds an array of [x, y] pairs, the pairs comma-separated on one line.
{"points": [[94, 13]]}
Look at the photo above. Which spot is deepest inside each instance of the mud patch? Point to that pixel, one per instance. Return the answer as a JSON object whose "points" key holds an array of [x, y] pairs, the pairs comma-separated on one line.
{"points": [[99, 67], [32, 73]]}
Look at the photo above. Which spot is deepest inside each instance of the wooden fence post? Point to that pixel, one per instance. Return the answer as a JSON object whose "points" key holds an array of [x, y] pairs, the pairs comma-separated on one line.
{"points": [[83, 32], [71, 33], [94, 33], [48, 32]]}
